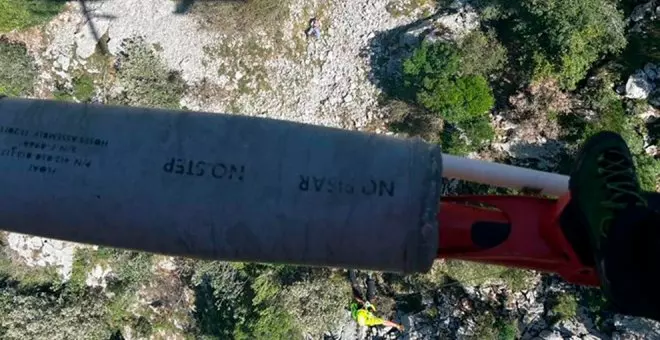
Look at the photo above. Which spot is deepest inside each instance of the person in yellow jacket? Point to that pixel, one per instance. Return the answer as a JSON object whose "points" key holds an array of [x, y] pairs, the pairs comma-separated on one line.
{"points": [[362, 310], [363, 313]]}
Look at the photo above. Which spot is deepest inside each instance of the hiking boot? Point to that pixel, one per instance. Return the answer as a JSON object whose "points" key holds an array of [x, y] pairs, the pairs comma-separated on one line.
{"points": [[603, 183]]}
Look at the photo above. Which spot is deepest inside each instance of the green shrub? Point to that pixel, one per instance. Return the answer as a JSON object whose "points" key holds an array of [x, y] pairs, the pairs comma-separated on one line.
{"points": [[267, 318], [146, 79], [458, 100], [83, 87], [564, 306], [488, 326], [318, 303], [432, 73], [19, 14], [478, 131], [453, 143], [221, 300], [507, 329], [17, 69], [50, 315], [429, 64], [558, 39], [481, 54], [241, 301]]}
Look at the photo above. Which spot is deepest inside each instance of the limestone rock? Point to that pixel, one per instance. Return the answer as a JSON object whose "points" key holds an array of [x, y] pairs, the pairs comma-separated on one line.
{"points": [[44, 252], [639, 86]]}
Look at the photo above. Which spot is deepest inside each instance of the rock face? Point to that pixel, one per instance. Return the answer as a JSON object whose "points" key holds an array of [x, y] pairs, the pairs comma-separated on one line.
{"points": [[454, 26], [98, 277], [631, 328], [639, 85], [44, 252]]}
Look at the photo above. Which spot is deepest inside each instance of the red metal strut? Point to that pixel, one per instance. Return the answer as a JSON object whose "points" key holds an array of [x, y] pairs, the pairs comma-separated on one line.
{"points": [[511, 231]]}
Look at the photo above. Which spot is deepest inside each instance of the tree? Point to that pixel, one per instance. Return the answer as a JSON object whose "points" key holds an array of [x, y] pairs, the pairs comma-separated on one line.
{"points": [[433, 72], [434, 78], [430, 64], [563, 38], [458, 100]]}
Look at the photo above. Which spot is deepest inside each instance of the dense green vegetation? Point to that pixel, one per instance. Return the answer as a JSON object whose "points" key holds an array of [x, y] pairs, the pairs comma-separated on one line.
{"points": [[251, 301], [17, 69], [20, 14], [434, 81], [450, 88], [561, 39]]}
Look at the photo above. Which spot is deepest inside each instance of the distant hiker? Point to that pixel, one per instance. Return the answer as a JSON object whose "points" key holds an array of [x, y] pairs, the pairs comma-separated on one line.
{"points": [[362, 310], [314, 29]]}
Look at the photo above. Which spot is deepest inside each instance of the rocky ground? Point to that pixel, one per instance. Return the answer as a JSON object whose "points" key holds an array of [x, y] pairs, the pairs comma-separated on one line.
{"points": [[329, 82]]}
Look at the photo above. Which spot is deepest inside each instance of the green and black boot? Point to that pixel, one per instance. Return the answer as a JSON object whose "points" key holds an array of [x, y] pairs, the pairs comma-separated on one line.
{"points": [[603, 185]]}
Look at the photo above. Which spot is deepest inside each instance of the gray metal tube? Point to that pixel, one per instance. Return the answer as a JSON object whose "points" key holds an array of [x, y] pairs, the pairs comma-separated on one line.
{"points": [[218, 186]]}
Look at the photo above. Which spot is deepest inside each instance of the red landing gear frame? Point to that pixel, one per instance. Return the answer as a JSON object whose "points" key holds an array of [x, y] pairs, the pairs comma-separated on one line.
{"points": [[513, 231]]}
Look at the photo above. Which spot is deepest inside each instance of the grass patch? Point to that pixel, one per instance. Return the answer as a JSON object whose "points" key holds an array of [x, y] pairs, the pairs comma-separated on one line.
{"points": [[489, 326], [241, 16], [470, 273], [96, 77], [17, 69], [27, 278], [83, 87], [507, 329], [146, 79], [243, 63], [20, 14]]}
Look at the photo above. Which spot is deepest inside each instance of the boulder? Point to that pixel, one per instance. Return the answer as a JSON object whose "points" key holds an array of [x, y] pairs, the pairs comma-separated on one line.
{"points": [[639, 86]]}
